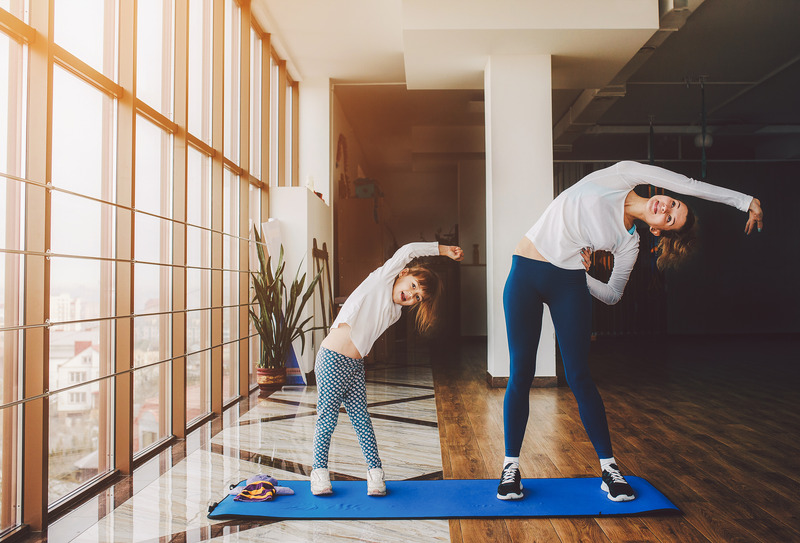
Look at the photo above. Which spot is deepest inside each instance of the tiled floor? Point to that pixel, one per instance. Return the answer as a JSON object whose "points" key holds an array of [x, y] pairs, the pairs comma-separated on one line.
{"points": [[168, 498]]}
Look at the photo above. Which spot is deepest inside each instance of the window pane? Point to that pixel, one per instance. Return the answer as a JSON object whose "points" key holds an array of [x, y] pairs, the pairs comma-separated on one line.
{"points": [[80, 226], [80, 289], [150, 405], [289, 136], [153, 239], [198, 288], [152, 292], [230, 352], [273, 122], [198, 365], [198, 376], [12, 104], [232, 71], [154, 37], [198, 212], [82, 136], [230, 256], [153, 169], [79, 434], [200, 80], [86, 28], [256, 100]]}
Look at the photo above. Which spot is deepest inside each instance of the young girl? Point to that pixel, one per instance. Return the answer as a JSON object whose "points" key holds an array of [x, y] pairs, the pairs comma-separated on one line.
{"points": [[549, 267], [368, 312]]}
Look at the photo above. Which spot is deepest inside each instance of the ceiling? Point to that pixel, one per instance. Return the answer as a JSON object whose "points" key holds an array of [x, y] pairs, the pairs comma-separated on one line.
{"points": [[408, 73]]}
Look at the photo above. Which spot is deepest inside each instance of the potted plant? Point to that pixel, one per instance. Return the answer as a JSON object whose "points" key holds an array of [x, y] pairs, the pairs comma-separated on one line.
{"points": [[277, 315]]}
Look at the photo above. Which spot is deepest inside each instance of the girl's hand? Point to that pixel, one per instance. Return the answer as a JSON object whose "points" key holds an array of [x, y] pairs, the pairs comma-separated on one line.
{"points": [[452, 251], [756, 218], [586, 258]]}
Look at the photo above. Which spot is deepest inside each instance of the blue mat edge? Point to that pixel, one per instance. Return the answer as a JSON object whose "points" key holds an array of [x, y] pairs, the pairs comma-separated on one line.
{"points": [[664, 511]]}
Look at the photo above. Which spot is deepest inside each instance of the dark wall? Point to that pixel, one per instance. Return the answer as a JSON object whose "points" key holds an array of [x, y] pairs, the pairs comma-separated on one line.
{"points": [[738, 284]]}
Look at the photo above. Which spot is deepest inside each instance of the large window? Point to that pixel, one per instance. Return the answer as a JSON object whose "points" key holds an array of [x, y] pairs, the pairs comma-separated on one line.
{"points": [[152, 273], [81, 284], [198, 285], [121, 185]]}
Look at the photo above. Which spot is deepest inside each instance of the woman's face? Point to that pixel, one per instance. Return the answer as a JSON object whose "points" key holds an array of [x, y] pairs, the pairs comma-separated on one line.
{"points": [[663, 213], [406, 290]]}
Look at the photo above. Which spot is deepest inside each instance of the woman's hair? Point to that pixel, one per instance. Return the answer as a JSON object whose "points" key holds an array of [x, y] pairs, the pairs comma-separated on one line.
{"points": [[675, 245], [427, 309]]}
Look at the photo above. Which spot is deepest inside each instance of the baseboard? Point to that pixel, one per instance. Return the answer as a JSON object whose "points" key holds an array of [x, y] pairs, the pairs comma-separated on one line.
{"points": [[538, 382]]}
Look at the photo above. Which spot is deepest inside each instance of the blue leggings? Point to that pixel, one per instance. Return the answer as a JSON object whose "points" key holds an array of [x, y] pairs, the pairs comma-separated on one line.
{"points": [[340, 379], [530, 284]]}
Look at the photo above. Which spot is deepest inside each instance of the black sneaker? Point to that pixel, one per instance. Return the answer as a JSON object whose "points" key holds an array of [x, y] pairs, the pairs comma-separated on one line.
{"points": [[510, 483], [615, 484]]}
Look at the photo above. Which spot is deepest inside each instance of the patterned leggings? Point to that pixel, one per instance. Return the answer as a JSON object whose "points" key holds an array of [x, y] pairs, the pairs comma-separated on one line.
{"points": [[341, 379]]}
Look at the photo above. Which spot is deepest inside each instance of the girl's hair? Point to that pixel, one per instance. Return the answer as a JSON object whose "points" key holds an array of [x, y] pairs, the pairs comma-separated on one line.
{"points": [[675, 245], [428, 308]]}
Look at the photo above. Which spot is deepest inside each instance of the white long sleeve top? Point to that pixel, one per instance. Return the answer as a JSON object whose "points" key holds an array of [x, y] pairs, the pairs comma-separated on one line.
{"points": [[370, 310], [591, 214]]}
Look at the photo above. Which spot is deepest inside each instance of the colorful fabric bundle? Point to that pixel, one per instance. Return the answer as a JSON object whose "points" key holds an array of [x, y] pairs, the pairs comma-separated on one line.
{"points": [[259, 488]]}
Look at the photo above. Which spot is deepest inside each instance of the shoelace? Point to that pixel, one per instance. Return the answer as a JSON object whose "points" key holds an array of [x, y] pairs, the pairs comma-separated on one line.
{"points": [[616, 477], [509, 475]]}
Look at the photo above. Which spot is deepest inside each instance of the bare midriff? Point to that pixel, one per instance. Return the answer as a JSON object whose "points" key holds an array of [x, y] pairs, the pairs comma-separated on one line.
{"points": [[527, 249], [338, 340]]}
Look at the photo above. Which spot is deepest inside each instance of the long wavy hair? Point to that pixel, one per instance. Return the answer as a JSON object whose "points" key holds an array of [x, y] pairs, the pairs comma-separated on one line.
{"points": [[426, 310], [674, 246]]}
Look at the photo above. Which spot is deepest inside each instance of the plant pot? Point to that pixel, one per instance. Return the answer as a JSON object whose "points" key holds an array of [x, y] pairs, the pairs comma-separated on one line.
{"points": [[270, 378]]}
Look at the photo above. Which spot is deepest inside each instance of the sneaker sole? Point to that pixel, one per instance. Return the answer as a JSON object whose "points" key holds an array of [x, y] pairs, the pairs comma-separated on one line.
{"points": [[323, 492], [620, 498], [510, 496]]}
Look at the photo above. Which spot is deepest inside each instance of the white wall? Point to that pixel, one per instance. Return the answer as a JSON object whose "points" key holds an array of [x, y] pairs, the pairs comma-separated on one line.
{"points": [[302, 217]]}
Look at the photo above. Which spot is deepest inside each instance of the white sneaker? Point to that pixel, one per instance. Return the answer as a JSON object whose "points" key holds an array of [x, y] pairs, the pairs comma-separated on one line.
{"points": [[376, 482], [321, 482]]}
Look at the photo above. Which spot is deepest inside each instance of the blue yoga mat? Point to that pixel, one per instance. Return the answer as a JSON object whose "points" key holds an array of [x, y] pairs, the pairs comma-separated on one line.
{"points": [[459, 498]]}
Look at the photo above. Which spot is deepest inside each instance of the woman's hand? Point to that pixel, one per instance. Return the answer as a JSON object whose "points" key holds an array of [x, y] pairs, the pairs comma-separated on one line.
{"points": [[756, 218], [453, 251], [586, 258]]}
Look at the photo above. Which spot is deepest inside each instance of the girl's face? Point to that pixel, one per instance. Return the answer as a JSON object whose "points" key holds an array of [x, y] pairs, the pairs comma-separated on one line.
{"points": [[663, 213], [406, 290]]}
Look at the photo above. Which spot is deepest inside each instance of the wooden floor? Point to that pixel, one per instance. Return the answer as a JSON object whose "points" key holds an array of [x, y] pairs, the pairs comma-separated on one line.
{"points": [[714, 423]]}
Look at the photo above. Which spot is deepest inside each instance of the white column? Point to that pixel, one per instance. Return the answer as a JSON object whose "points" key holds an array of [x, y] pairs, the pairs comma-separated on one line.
{"points": [[519, 185], [314, 169]]}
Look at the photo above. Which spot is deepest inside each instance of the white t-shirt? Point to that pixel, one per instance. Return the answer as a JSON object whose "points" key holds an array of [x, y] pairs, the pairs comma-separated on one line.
{"points": [[591, 214], [370, 310]]}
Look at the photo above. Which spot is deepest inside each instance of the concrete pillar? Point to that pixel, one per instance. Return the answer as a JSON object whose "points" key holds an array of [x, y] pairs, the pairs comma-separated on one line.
{"points": [[519, 186]]}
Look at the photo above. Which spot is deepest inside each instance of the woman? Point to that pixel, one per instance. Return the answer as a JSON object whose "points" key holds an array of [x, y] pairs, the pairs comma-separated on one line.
{"points": [[549, 267]]}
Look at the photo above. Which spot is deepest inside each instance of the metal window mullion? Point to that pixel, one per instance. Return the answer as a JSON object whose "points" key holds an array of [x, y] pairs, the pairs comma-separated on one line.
{"points": [[35, 443], [16, 29], [295, 134], [217, 172], [85, 72], [282, 180], [180, 169], [244, 192], [126, 171], [266, 89]]}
